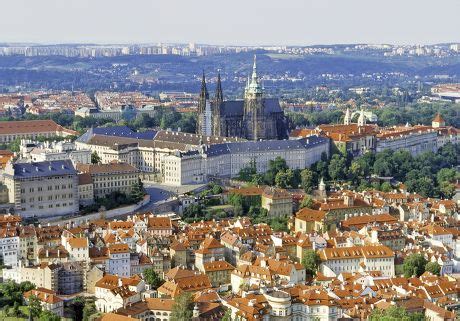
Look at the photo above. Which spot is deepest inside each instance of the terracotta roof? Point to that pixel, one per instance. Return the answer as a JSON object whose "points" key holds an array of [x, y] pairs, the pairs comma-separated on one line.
{"points": [[276, 193], [368, 219], [32, 127], [310, 215], [355, 252], [112, 168], [116, 317], [438, 118], [118, 248], [44, 295], [217, 266], [84, 179], [78, 242], [157, 222]]}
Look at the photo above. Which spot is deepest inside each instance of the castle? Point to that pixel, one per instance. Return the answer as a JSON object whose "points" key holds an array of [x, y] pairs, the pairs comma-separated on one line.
{"points": [[254, 118]]}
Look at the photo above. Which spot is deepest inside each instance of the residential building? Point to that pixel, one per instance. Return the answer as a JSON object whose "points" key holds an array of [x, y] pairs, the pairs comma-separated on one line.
{"points": [[42, 189], [48, 299]]}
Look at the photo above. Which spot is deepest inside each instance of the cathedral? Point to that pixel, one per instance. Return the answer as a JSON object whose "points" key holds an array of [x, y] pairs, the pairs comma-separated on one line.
{"points": [[253, 118]]}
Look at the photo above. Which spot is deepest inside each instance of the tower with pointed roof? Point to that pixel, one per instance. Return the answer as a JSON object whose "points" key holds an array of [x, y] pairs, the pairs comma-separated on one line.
{"points": [[347, 118], [218, 100], [204, 110], [438, 121], [361, 118], [254, 118]]}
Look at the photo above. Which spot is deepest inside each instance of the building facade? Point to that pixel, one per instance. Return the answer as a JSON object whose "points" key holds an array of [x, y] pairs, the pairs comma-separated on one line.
{"points": [[254, 118], [42, 189]]}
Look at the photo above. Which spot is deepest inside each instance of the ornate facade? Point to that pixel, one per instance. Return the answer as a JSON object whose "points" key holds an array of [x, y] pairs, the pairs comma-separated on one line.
{"points": [[254, 118]]}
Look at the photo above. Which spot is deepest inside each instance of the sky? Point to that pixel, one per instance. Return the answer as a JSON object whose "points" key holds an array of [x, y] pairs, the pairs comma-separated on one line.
{"points": [[231, 22]]}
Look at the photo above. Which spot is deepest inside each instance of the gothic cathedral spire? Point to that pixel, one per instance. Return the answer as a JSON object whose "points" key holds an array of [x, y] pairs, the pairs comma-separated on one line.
{"points": [[219, 92]]}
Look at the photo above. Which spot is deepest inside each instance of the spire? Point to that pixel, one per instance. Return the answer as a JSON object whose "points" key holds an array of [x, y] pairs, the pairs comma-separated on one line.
{"points": [[204, 91], [347, 119], [254, 86], [361, 118], [219, 92], [254, 70]]}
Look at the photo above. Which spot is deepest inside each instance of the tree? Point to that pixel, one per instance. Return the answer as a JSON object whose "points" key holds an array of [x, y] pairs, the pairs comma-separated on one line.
{"points": [[152, 278], [182, 309], [228, 315], [414, 264], [16, 311], [274, 167], [217, 189], [395, 313], [89, 310], [95, 159], [307, 202], [447, 189], [137, 191], [246, 173], [35, 307], [433, 267], [47, 315], [386, 187], [307, 180], [337, 166], [283, 178], [311, 262]]}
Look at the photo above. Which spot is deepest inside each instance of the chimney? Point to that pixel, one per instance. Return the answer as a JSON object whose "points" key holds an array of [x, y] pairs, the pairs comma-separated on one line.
{"points": [[47, 253]]}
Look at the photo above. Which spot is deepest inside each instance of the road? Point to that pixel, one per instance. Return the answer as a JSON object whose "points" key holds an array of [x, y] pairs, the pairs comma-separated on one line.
{"points": [[160, 193]]}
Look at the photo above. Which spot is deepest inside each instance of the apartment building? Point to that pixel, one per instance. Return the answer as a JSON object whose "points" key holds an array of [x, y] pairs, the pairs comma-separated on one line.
{"points": [[357, 258], [109, 178], [42, 189], [31, 129]]}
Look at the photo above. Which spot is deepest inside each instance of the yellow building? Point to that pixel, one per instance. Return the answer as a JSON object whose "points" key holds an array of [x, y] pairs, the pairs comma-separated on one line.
{"points": [[308, 220], [219, 272], [278, 202]]}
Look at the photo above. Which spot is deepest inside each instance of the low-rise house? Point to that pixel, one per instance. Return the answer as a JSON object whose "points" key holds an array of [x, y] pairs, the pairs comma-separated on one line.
{"points": [[113, 292], [48, 299], [277, 202]]}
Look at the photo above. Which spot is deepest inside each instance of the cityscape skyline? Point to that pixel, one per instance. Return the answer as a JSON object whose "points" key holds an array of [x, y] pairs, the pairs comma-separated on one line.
{"points": [[270, 23]]}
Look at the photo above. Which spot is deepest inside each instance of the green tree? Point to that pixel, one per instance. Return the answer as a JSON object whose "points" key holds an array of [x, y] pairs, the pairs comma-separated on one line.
{"points": [[283, 178], [47, 315], [257, 179], [337, 167], [446, 175], [95, 159], [217, 189], [307, 202], [35, 307], [274, 167], [137, 191], [182, 309], [89, 310], [414, 264], [16, 311], [433, 267], [311, 262], [307, 180], [386, 187], [228, 315], [246, 173], [152, 278], [395, 313], [447, 189]]}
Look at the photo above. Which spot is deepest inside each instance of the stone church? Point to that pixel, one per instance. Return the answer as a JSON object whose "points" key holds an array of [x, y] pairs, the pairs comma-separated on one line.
{"points": [[254, 118]]}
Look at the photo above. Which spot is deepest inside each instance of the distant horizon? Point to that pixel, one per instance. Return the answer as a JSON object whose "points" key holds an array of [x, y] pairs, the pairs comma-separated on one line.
{"points": [[34, 43], [232, 23]]}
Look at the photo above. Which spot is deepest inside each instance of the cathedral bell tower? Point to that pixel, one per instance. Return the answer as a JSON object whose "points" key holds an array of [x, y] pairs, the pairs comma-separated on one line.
{"points": [[253, 107], [204, 110], [218, 100]]}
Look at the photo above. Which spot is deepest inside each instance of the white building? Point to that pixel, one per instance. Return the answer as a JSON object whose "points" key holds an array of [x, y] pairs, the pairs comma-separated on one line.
{"points": [[357, 259], [9, 247], [42, 189], [118, 262]]}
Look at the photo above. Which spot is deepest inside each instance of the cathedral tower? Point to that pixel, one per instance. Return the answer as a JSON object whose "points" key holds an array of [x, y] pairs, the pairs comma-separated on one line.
{"points": [[204, 110], [253, 107], [218, 100]]}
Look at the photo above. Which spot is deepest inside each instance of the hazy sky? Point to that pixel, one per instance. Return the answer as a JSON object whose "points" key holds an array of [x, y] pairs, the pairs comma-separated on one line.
{"points": [[301, 22]]}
